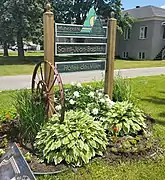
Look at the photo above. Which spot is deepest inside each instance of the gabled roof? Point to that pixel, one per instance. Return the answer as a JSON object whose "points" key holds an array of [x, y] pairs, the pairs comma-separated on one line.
{"points": [[146, 12]]}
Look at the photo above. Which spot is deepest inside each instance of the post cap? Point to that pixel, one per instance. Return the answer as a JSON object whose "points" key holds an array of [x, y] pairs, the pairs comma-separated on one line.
{"points": [[112, 14], [48, 7]]}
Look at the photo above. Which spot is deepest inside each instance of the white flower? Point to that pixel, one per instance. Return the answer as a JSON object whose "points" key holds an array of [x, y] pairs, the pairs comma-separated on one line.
{"points": [[72, 83], [95, 111], [100, 94], [76, 94], [102, 100], [71, 101], [79, 85], [107, 96], [91, 94], [110, 103], [58, 107], [55, 99]]}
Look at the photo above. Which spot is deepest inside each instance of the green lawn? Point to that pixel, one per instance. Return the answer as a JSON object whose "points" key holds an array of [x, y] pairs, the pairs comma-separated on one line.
{"points": [[123, 64], [13, 66], [151, 94], [28, 53]]}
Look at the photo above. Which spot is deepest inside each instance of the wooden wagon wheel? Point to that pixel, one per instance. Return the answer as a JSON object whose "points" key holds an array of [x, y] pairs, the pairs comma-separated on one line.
{"points": [[43, 88]]}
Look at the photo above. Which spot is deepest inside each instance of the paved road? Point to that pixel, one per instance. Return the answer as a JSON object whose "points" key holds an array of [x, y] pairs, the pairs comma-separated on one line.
{"points": [[24, 81]]}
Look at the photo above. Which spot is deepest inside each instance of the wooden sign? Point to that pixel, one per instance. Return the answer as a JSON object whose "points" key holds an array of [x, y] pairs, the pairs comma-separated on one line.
{"points": [[66, 49], [76, 66], [74, 31], [13, 166]]}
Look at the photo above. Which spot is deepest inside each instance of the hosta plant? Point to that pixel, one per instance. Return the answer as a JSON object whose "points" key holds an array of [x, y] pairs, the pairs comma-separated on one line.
{"points": [[124, 118], [75, 141]]}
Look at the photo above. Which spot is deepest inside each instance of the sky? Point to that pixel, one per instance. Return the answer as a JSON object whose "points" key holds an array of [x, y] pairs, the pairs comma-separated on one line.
{"points": [[128, 4]]}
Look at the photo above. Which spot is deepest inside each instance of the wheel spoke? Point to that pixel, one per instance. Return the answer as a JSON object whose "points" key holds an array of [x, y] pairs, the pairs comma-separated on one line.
{"points": [[38, 77], [41, 73], [50, 72], [50, 99], [50, 93], [52, 107], [50, 87], [42, 85]]}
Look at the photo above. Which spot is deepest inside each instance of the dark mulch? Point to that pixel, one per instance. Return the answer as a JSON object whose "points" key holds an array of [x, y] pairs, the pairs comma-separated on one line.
{"points": [[9, 129], [41, 167], [145, 153]]}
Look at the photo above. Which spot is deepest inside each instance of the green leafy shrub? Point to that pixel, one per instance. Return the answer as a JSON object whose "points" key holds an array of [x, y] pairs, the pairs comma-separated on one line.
{"points": [[124, 118], [122, 90], [76, 140], [31, 115], [87, 98]]}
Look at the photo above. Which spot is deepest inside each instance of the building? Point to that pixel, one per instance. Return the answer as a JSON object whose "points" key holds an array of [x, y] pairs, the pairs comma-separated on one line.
{"points": [[146, 39]]}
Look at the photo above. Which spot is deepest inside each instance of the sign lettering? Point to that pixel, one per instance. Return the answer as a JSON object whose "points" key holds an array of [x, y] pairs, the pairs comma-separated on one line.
{"points": [[71, 30], [81, 66], [63, 49]]}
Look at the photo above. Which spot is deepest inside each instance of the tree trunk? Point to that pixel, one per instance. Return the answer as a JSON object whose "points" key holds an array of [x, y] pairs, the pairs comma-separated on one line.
{"points": [[20, 46], [5, 46]]}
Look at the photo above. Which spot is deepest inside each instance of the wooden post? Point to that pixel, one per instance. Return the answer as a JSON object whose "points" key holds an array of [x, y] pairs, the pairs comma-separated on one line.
{"points": [[48, 21], [111, 46]]}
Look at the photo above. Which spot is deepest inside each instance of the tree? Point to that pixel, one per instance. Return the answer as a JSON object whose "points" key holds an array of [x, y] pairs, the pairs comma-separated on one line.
{"points": [[6, 31], [67, 11], [26, 17], [105, 7]]}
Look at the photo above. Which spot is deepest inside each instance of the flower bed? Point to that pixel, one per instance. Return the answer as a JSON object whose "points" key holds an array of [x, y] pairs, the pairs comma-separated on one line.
{"points": [[93, 126]]}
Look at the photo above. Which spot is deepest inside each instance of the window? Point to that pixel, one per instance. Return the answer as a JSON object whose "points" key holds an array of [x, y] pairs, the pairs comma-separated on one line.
{"points": [[125, 55], [141, 55], [127, 33], [143, 32], [163, 32]]}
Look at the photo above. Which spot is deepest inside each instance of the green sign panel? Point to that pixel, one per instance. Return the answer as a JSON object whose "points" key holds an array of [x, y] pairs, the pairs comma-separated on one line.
{"points": [[92, 28], [65, 49], [63, 30], [81, 66]]}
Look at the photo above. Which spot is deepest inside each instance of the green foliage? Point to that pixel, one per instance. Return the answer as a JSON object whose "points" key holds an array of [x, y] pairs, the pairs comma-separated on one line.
{"points": [[22, 20], [129, 144], [124, 118], [76, 140], [122, 90], [31, 115], [67, 11], [4, 142], [2, 152], [6, 115], [87, 98], [28, 156]]}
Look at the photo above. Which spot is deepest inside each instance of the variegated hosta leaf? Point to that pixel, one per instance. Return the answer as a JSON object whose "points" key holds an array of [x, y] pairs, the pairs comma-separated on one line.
{"points": [[75, 141], [124, 118]]}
